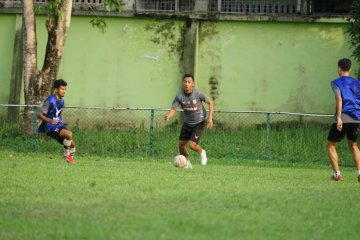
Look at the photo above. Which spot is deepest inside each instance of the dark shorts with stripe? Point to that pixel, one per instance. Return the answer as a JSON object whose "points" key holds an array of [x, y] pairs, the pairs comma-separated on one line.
{"points": [[351, 130], [192, 132]]}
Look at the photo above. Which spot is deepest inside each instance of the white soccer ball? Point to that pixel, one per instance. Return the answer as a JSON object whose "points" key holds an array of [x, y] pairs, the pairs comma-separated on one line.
{"points": [[180, 161]]}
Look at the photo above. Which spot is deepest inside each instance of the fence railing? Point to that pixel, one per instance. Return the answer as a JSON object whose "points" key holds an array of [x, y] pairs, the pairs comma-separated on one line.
{"points": [[232, 7], [89, 5], [142, 132]]}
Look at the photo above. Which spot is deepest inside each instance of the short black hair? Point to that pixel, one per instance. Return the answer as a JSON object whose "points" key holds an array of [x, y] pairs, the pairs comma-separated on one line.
{"points": [[59, 82], [344, 64], [189, 75]]}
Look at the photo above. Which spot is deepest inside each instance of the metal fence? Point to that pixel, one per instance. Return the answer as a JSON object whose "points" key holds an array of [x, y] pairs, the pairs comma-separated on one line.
{"points": [[77, 4], [221, 6], [142, 132], [233, 7]]}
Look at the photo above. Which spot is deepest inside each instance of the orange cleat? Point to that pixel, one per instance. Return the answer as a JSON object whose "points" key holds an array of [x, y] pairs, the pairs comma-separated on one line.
{"points": [[69, 159], [336, 178]]}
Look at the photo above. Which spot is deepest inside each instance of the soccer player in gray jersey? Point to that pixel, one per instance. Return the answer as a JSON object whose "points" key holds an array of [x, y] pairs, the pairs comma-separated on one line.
{"points": [[190, 100]]}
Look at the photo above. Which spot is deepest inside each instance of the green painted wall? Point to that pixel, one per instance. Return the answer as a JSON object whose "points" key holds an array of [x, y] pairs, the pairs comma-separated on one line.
{"points": [[7, 35], [271, 66], [134, 64], [244, 65]]}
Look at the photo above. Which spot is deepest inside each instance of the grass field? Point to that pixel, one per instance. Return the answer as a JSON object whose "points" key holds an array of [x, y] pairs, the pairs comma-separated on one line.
{"points": [[41, 197]]}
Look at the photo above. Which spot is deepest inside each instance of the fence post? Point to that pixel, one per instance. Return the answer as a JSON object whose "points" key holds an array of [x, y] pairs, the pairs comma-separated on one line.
{"points": [[35, 128], [267, 136], [151, 146]]}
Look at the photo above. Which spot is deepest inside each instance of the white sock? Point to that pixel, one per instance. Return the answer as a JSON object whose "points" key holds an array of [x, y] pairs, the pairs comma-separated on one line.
{"points": [[66, 144], [336, 173], [358, 172], [72, 151], [66, 152]]}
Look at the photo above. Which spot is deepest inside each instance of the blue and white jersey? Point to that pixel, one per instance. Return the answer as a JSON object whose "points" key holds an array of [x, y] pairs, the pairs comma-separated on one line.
{"points": [[52, 108], [350, 93]]}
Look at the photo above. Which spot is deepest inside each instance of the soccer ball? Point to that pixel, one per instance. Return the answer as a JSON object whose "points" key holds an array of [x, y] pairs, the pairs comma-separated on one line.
{"points": [[180, 161]]}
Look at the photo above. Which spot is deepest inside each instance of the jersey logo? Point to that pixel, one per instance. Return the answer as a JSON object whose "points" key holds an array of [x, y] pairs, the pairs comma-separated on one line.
{"points": [[58, 111]]}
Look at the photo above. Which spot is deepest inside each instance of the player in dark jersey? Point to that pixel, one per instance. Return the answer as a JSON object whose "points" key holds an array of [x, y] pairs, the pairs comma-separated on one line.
{"points": [[190, 100], [52, 121]]}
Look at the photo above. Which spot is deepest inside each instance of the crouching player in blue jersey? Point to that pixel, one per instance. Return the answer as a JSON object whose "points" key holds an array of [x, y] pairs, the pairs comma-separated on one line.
{"points": [[52, 121], [190, 99]]}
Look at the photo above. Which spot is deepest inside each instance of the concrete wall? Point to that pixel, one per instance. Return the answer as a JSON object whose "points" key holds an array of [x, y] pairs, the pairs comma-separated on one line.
{"points": [[135, 63], [7, 35], [272, 66]]}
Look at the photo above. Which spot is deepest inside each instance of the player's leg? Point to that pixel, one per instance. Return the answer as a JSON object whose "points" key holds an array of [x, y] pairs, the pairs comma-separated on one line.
{"points": [[63, 139], [334, 137], [195, 147], [352, 136], [334, 159], [184, 137], [69, 145], [355, 153], [182, 148], [194, 142], [72, 149]]}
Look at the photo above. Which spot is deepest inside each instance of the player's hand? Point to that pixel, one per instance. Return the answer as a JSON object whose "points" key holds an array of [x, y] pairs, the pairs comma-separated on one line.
{"points": [[54, 121], [167, 118], [210, 123], [339, 124]]}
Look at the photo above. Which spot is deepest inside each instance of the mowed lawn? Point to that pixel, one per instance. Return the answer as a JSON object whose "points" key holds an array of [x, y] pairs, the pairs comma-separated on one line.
{"points": [[42, 197]]}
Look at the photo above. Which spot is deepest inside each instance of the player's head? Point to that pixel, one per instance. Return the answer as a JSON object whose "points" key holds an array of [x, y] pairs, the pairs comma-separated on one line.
{"points": [[188, 83], [344, 65], [60, 87]]}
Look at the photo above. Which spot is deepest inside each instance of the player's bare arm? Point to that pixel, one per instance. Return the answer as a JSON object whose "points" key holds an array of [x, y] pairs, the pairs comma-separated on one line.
{"points": [[170, 114], [338, 112], [211, 112]]}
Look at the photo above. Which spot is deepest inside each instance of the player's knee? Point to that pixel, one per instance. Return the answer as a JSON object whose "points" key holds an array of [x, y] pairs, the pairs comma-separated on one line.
{"points": [[352, 145], [193, 145], [66, 134], [69, 134], [331, 145]]}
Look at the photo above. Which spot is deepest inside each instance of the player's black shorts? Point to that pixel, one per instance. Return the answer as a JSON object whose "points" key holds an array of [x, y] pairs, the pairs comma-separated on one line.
{"points": [[351, 130], [192, 132], [56, 134]]}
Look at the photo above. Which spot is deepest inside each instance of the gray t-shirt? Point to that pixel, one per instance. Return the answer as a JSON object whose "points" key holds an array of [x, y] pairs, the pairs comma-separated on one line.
{"points": [[344, 117], [194, 111]]}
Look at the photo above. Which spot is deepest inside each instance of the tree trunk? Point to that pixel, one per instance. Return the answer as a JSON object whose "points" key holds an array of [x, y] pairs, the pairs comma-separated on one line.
{"points": [[37, 84], [30, 62]]}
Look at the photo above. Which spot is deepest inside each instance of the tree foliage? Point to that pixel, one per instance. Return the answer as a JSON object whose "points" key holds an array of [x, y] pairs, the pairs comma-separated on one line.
{"points": [[354, 29]]}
